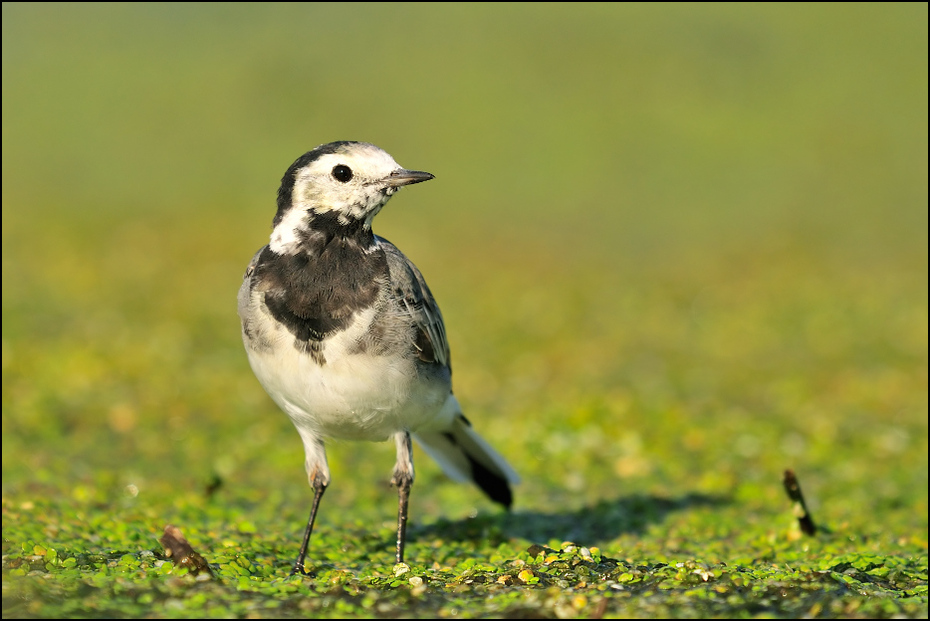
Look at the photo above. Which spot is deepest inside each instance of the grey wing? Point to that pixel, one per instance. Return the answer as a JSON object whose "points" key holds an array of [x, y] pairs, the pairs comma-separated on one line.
{"points": [[414, 296], [245, 291]]}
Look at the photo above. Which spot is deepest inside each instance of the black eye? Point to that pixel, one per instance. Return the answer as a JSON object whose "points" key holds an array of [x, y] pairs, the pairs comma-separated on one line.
{"points": [[342, 173]]}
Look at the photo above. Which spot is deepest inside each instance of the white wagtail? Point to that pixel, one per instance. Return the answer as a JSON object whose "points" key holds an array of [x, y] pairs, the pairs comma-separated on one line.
{"points": [[345, 336]]}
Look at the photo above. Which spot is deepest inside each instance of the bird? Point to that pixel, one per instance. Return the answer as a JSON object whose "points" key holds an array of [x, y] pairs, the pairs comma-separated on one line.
{"points": [[343, 333]]}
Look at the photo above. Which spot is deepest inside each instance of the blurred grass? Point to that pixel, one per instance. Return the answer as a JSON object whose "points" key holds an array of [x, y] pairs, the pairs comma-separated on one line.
{"points": [[679, 248]]}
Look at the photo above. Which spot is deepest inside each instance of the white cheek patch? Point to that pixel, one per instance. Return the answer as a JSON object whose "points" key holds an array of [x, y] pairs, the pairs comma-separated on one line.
{"points": [[312, 189]]}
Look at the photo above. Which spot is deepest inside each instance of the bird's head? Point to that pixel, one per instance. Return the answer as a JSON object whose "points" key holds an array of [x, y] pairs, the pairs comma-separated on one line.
{"points": [[342, 183]]}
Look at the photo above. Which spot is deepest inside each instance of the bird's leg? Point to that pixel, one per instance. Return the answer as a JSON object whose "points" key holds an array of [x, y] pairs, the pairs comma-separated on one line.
{"points": [[403, 479], [318, 474], [299, 565]]}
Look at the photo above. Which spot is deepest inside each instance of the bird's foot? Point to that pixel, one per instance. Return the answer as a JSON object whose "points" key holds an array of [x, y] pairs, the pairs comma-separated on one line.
{"points": [[301, 570]]}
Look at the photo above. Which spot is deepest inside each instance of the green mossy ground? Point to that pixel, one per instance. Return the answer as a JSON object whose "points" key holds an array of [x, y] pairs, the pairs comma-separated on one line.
{"points": [[679, 249]]}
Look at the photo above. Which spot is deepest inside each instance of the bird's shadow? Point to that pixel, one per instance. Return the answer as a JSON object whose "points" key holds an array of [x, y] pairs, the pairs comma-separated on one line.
{"points": [[588, 525]]}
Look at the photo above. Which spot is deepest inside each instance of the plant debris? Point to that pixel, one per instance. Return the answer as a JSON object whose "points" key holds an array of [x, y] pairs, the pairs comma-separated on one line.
{"points": [[180, 549], [800, 507]]}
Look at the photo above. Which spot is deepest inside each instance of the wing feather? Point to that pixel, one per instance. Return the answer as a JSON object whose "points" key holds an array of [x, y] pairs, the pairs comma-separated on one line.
{"points": [[414, 296]]}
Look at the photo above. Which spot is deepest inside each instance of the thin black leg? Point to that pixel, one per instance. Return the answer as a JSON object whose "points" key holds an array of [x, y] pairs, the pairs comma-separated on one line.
{"points": [[318, 488]]}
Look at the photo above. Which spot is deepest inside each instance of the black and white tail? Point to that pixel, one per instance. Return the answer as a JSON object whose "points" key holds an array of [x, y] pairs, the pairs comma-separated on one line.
{"points": [[466, 456]]}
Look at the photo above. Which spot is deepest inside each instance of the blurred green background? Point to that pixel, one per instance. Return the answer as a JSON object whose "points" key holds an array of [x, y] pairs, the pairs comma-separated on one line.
{"points": [[678, 248]]}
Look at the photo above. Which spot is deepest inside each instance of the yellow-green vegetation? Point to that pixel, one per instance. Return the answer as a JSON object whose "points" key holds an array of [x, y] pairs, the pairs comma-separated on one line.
{"points": [[679, 248]]}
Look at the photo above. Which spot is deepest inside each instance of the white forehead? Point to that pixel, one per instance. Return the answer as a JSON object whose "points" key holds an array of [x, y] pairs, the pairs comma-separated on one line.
{"points": [[366, 161]]}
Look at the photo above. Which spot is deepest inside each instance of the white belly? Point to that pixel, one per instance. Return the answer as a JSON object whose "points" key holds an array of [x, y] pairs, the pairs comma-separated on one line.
{"points": [[352, 396]]}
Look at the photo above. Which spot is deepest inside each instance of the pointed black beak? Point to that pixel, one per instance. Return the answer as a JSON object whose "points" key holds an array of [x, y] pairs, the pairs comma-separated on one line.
{"points": [[402, 177]]}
